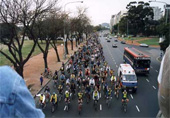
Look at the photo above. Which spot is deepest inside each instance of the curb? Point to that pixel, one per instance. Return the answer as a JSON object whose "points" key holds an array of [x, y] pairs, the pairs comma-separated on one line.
{"points": [[47, 82]]}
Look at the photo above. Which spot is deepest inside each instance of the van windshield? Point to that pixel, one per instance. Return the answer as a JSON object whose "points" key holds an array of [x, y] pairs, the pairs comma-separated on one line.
{"points": [[129, 78]]}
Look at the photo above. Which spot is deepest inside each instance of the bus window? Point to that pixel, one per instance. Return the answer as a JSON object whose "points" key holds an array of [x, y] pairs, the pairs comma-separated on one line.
{"points": [[143, 63]]}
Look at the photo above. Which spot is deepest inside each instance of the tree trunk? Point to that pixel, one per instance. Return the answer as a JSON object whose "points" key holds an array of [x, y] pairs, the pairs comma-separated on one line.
{"points": [[66, 47], [58, 57], [71, 44], [20, 70], [76, 42], [45, 60]]}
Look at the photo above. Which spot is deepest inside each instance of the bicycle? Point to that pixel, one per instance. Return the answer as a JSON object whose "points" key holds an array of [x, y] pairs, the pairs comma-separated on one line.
{"points": [[59, 96], [117, 93], [47, 96], [95, 104], [66, 105], [55, 84], [108, 101], [124, 105], [53, 107], [80, 107], [87, 97]]}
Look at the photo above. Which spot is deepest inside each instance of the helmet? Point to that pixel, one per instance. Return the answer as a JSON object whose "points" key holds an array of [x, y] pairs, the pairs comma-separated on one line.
{"points": [[53, 93], [41, 94], [66, 92], [125, 90]]}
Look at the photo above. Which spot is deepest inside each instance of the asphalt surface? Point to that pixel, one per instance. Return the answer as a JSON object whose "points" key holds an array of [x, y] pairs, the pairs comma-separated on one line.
{"points": [[144, 103]]}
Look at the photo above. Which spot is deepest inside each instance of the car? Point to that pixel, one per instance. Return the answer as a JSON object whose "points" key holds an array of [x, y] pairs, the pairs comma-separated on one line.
{"points": [[108, 40], [115, 36], [110, 37], [116, 40], [114, 45], [144, 45], [123, 42]]}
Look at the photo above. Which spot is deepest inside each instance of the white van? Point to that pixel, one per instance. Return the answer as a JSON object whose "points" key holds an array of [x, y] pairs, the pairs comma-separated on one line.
{"points": [[127, 77]]}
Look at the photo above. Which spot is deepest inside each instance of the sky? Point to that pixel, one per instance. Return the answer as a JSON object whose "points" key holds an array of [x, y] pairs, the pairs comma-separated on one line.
{"points": [[100, 11]]}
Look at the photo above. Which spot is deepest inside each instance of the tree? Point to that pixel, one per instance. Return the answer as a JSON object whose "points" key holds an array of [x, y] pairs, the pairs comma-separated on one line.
{"points": [[139, 16], [23, 13]]}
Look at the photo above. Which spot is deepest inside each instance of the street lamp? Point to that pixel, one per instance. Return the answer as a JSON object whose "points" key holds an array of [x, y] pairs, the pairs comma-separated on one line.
{"points": [[64, 25], [166, 4]]}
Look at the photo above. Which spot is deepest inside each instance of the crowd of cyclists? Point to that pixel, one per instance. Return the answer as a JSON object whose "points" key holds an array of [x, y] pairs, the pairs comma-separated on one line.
{"points": [[86, 76]]}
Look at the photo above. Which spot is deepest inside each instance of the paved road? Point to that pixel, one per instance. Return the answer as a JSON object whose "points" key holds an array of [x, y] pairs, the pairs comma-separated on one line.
{"points": [[142, 104]]}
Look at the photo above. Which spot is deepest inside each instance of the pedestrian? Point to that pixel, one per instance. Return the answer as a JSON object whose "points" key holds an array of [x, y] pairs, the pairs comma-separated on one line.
{"points": [[41, 79]]}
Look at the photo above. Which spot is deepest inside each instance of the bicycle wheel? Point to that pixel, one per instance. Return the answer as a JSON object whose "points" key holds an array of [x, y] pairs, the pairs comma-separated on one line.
{"points": [[52, 109]]}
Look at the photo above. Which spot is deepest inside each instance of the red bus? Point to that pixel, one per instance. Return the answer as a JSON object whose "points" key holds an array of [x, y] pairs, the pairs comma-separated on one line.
{"points": [[137, 59]]}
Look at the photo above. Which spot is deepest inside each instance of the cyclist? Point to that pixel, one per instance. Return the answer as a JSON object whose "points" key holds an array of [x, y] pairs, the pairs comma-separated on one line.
{"points": [[42, 99], [47, 89], [73, 88], [55, 77], [53, 99], [62, 78], [79, 81], [105, 88], [80, 96], [80, 73], [109, 93], [87, 73], [111, 72], [72, 77], [92, 83], [60, 89], [96, 95], [67, 96], [125, 96], [113, 80]]}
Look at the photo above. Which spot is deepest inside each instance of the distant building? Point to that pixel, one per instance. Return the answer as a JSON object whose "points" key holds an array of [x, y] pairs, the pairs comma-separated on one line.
{"points": [[115, 19], [157, 13], [105, 25], [167, 11]]}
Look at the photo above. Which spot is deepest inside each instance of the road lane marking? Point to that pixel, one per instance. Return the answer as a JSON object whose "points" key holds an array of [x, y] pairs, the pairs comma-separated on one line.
{"points": [[120, 51], [147, 80], [151, 67], [154, 87], [131, 96], [156, 71], [137, 108], [100, 107]]}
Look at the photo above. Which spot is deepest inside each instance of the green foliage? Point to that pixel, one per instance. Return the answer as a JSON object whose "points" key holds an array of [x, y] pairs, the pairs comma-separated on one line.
{"points": [[139, 19]]}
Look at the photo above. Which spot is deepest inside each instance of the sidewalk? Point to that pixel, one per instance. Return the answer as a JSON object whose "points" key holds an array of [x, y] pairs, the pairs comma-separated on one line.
{"points": [[35, 66]]}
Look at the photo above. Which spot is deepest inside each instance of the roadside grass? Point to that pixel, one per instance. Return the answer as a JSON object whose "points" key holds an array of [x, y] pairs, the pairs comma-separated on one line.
{"points": [[25, 51], [151, 41], [133, 38]]}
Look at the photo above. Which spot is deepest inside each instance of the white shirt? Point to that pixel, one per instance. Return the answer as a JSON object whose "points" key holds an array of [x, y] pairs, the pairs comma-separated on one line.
{"points": [[43, 97], [92, 82]]}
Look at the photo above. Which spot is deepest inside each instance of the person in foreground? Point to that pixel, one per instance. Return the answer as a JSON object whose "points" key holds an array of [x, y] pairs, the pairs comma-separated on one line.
{"points": [[164, 86], [15, 99]]}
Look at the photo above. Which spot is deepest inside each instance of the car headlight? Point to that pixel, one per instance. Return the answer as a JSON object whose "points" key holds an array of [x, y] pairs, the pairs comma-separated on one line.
{"points": [[135, 87]]}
